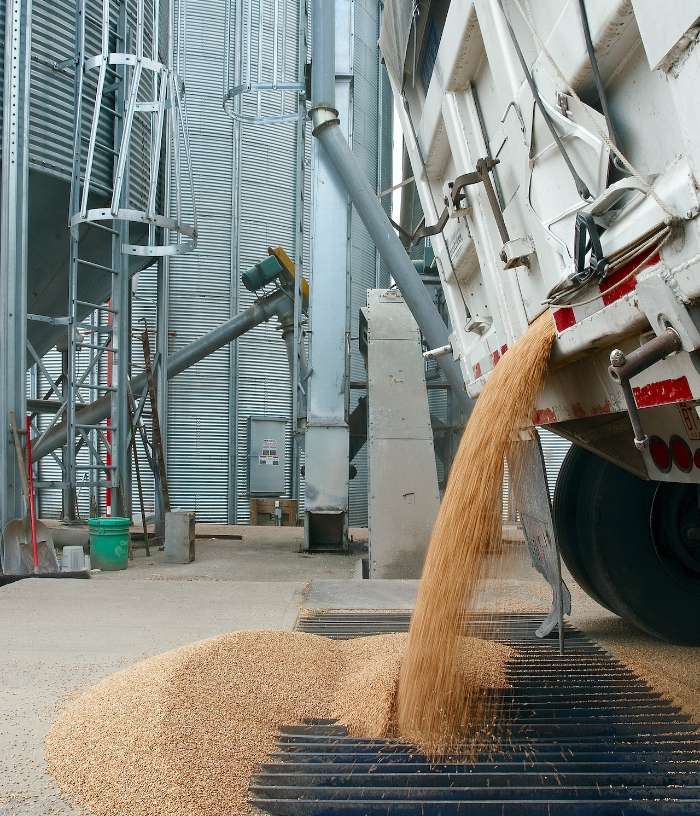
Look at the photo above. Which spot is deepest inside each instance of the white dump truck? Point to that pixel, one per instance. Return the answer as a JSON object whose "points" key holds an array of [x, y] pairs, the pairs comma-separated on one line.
{"points": [[555, 146]]}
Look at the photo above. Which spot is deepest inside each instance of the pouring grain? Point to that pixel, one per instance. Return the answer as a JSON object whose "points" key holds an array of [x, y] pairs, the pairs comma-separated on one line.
{"points": [[433, 709]]}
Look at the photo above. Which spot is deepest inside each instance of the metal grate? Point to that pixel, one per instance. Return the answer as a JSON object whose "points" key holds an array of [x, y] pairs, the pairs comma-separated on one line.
{"points": [[582, 735]]}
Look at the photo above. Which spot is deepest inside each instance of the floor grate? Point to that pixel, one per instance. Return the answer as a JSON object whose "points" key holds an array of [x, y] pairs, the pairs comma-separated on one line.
{"points": [[586, 736]]}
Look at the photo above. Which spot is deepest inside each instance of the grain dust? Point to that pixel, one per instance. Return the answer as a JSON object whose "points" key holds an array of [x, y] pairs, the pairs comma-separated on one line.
{"points": [[432, 708], [182, 733]]}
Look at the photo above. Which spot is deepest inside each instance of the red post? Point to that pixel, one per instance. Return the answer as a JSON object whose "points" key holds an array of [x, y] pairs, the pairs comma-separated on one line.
{"points": [[30, 477], [108, 432]]}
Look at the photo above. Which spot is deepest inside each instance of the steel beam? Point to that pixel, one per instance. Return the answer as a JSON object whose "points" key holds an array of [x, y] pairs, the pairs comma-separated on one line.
{"points": [[13, 243]]}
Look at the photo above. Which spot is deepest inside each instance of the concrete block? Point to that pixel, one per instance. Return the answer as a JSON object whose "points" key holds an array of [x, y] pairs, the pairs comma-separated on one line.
{"points": [[179, 537]]}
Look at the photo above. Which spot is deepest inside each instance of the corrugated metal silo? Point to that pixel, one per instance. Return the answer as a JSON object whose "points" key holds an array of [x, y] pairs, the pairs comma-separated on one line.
{"points": [[247, 178], [51, 127]]}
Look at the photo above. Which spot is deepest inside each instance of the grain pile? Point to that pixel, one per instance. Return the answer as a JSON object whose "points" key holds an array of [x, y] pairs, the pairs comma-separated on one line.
{"points": [[181, 733], [432, 707]]}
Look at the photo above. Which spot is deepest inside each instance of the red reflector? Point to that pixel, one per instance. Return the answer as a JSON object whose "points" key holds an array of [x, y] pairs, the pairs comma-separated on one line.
{"points": [[660, 454], [696, 458], [564, 318], [682, 456]]}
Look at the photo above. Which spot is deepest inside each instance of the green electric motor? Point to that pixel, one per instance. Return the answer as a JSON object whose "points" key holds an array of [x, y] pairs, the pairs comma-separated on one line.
{"points": [[264, 272]]}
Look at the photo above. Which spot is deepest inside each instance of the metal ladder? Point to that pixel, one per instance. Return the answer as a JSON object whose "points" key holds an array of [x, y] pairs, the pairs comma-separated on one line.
{"points": [[142, 98], [98, 339], [151, 92]]}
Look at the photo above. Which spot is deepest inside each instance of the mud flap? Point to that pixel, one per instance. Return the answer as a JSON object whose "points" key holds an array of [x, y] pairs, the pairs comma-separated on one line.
{"points": [[531, 496]]}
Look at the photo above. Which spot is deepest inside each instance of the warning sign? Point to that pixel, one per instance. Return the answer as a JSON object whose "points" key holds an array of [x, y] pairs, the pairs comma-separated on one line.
{"points": [[269, 454]]}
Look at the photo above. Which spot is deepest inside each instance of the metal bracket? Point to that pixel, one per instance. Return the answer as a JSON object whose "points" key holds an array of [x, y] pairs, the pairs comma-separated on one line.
{"points": [[54, 321], [528, 483], [517, 251], [478, 326], [456, 195], [625, 366]]}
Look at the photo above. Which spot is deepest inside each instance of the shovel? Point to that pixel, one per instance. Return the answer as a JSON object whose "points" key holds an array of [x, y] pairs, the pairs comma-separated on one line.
{"points": [[27, 546], [18, 552]]}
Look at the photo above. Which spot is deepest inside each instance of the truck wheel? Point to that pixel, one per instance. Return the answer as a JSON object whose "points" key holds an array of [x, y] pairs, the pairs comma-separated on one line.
{"points": [[571, 515], [643, 553]]}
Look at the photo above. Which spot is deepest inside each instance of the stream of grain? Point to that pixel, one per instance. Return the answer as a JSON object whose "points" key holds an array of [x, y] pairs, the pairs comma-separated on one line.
{"points": [[435, 707]]}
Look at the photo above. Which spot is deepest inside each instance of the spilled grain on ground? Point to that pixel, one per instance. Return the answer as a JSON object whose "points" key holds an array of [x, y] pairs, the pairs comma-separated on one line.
{"points": [[432, 707], [182, 733]]}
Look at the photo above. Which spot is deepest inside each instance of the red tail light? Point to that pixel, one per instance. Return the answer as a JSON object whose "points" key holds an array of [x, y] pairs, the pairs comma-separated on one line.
{"points": [[660, 454], [682, 455]]}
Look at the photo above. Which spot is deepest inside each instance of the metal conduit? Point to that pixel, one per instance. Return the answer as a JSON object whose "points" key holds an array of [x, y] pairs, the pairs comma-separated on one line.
{"points": [[327, 130], [279, 303]]}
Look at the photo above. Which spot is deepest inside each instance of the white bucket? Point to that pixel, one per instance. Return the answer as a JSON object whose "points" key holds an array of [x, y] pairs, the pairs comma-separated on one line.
{"points": [[72, 559]]}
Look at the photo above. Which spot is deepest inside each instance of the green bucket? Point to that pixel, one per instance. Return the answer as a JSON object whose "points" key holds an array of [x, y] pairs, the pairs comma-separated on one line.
{"points": [[109, 543]]}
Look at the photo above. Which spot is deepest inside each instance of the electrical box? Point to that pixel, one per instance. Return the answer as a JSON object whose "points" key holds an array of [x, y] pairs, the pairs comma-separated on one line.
{"points": [[266, 456]]}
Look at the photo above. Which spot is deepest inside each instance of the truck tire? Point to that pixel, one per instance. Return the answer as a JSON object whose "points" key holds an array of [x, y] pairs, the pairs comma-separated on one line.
{"points": [[570, 515], [632, 547]]}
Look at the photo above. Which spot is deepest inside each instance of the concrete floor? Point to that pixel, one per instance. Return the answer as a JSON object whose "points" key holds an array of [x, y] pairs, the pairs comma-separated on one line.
{"points": [[60, 636]]}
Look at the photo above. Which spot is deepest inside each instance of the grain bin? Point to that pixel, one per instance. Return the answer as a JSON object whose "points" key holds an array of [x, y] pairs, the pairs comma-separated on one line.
{"points": [[51, 130], [241, 167]]}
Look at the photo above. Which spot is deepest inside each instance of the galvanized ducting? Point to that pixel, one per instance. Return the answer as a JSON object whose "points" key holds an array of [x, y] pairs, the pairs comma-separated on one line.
{"points": [[370, 138]]}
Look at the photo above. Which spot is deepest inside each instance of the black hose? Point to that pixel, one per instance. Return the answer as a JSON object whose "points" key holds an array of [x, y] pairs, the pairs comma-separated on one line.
{"points": [[596, 72]]}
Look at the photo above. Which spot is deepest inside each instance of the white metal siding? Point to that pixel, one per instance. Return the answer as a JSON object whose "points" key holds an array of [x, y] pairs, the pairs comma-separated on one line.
{"points": [[267, 189], [245, 189]]}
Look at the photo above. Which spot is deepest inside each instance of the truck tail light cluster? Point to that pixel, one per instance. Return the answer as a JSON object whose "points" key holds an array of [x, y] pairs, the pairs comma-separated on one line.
{"points": [[681, 453], [660, 454], [677, 452]]}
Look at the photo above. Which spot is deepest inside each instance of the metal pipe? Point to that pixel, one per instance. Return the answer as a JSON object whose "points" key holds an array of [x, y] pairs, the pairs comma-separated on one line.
{"points": [[323, 58], [625, 366], [303, 374], [436, 353], [366, 202], [389, 246], [278, 303], [368, 206]]}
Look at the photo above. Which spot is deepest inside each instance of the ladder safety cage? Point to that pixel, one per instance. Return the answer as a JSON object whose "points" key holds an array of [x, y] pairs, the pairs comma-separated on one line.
{"points": [[262, 84], [129, 63], [129, 116]]}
